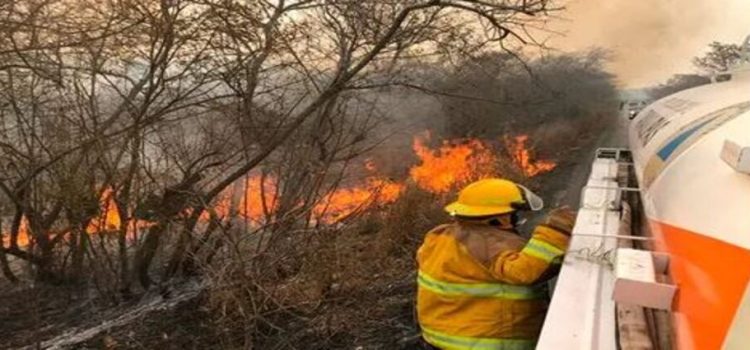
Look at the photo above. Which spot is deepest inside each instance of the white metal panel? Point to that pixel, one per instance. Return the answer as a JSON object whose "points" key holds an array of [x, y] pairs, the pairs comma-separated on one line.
{"points": [[636, 283], [604, 169], [600, 194], [634, 264], [581, 315], [736, 155]]}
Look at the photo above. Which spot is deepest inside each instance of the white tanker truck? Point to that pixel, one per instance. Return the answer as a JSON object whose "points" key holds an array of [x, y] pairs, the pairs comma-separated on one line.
{"points": [[660, 256]]}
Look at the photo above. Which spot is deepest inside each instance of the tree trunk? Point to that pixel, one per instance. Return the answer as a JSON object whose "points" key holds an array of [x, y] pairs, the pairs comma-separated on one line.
{"points": [[4, 263], [145, 255]]}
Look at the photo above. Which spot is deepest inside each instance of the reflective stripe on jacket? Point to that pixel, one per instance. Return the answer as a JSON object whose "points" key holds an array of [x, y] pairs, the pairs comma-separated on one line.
{"points": [[478, 286]]}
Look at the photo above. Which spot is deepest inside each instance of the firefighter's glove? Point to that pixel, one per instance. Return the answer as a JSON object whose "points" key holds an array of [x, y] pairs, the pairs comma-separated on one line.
{"points": [[561, 219]]}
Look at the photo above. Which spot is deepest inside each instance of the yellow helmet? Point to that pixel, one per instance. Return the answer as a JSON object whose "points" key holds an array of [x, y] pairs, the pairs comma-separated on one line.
{"points": [[493, 197]]}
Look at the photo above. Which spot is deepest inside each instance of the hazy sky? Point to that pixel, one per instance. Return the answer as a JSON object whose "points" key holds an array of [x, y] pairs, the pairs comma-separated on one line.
{"points": [[651, 39]]}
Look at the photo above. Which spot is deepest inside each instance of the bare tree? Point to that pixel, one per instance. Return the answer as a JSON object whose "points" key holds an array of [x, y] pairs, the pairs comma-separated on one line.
{"points": [[165, 106], [353, 37], [497, 94], [73, 130]]}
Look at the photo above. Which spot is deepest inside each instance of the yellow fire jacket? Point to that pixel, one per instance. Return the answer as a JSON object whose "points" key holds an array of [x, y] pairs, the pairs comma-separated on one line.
{"points": [[476, 286]]}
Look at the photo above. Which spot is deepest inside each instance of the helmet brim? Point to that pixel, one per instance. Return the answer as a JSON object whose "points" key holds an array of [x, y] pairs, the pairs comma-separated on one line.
{"points": [[459, 209]]}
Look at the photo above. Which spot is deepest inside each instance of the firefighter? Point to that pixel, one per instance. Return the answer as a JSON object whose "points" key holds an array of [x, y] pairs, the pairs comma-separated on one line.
{"points": [[480, 284]]}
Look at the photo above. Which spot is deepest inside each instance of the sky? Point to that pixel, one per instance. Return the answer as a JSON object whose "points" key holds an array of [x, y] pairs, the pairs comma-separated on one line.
{"points": [[650, 40]]}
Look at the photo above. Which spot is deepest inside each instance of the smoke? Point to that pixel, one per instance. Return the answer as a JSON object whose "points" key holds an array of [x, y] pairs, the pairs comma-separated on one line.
{"points": [[650, 39]]}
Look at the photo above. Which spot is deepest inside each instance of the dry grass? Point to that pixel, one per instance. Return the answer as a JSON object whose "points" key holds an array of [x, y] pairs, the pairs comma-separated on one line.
{"points": [[334, 288], [329, 289]]}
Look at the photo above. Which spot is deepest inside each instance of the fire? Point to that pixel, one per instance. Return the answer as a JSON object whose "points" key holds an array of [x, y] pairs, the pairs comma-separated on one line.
{"points": [[452, 164], [254, 204], [109, 219], [439, 170], [343, 202], [524, 158], [259, 198], [251, 203], [23, 234]]}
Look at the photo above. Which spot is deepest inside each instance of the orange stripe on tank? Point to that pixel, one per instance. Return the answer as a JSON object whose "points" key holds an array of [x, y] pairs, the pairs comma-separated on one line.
{"points": [[712, 276]]}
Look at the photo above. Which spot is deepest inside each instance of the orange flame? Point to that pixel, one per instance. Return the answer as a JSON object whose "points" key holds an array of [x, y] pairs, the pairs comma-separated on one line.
{"points": [[452, 164], [259, 198], [109, 219], [334, 206], [252, 204], [523, 157], [340, 203], [24, 233], [345, 201], [24, 236]]}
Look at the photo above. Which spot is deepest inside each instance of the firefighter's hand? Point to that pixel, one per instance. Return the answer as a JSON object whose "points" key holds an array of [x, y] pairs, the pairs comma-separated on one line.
{"points": [[561, 219]]}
